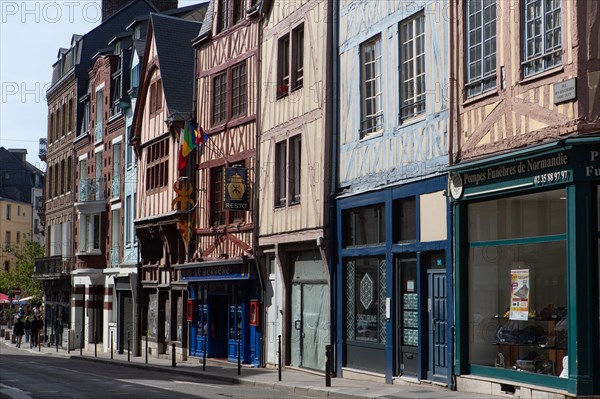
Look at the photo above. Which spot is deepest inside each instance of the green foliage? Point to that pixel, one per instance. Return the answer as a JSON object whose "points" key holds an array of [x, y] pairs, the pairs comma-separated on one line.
{"points": [[22, 275]]}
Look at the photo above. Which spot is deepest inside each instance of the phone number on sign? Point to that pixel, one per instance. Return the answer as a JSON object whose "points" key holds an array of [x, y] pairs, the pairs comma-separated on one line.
{"points": [[552, 177]]}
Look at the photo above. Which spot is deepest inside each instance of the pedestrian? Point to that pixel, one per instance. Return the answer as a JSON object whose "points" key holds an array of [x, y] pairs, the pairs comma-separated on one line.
{"points": [[27, 329], [58, 330], [36, 326], [19, 330]]}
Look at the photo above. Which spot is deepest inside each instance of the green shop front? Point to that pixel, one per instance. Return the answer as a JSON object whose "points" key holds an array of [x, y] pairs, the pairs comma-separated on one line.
{"points": [[527, 240]]}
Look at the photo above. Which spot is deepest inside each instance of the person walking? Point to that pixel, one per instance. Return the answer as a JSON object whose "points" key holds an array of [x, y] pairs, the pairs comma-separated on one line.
{"points": [[36, 326], [19, 330], [27, 328], [58, 330]]}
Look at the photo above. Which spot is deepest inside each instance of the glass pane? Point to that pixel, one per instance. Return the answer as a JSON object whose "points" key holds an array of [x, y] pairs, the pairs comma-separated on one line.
{"points": [[531, 215], [366, 300], [517, 307]]}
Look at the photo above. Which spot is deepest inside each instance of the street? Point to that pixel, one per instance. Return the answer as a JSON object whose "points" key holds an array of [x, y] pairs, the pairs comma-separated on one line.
{"points": [[27, 374]]}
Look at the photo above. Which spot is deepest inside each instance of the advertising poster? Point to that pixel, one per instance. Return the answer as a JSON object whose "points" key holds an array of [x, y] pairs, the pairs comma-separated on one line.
{"points": [[519, 294]]}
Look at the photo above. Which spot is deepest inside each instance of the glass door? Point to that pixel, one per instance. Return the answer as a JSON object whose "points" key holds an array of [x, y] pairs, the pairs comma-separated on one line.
{"points": [[408, 315]]}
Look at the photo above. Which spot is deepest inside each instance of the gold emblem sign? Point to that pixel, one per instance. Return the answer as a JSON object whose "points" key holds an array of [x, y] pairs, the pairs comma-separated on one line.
{"points": [[236, 187], [182, 200]]}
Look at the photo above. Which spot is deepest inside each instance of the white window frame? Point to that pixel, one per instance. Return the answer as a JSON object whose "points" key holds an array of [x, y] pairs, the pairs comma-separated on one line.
{"points": [[480, 33], [539, 53], [371, 112], [412, 66]]}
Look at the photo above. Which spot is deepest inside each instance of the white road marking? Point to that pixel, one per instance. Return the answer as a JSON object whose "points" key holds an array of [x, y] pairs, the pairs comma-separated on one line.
{"points": [[14, 393]]}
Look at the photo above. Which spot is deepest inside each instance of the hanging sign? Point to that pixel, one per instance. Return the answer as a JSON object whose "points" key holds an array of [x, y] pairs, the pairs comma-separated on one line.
{"points": [[519, 294], [236, 189]]}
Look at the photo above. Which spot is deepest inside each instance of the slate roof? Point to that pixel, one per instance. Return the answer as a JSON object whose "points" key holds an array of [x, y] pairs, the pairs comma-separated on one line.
{"points": [[176, 55], [207, 24], [16, 177]]}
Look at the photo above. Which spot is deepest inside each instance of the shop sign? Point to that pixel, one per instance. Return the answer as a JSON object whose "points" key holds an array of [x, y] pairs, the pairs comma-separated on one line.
{"points": [[236, 271], [519, 294], [592, 167], [236, 189]]}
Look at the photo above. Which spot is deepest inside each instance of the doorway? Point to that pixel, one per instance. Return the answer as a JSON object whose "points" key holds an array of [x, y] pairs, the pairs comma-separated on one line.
{"points": [[437, 318], [407, 304], [309, 332]]}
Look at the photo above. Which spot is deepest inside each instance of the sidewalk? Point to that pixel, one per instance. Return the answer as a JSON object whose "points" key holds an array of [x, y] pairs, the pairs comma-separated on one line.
{"points": [[300, 382]]}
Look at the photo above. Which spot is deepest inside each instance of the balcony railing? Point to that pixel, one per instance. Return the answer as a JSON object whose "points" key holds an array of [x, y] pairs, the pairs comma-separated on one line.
{"points": [[114, 256], [98, 132], [115, 187], [92, 190], [43, 149], [52, 267]]}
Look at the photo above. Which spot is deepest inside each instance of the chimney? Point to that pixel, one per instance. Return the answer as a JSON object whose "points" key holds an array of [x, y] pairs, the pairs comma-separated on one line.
{"points": [[110, 7]]}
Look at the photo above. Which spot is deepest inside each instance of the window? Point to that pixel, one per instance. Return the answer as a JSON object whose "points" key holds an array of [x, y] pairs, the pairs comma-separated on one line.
{"points": [[371, 107], [63, 183], [280, 173], [283, 65], [405, 212], [230, 13], [128, 220], [412, 71], [98, 132], [129, 153], [69, 171], [365, 307], [364, 226], [217, 213], [71, 111], [156, 96], [228, 104], [518, 249], [19, 210], [6, 265], [542, 35], [219, 98], [238, 94], [481, 46], [51, 128], [85, 122], [295, 159], [290, 62], [18, 238], [89, 233], [7, 211], [157, 165], [7, 239]]}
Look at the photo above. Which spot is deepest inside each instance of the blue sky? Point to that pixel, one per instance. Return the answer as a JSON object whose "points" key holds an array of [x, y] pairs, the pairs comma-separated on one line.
{"points": [[31, 32]]}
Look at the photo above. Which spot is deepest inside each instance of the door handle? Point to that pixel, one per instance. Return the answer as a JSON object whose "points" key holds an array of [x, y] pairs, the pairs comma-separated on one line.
{"points": [[298, 324], [433, 322]]}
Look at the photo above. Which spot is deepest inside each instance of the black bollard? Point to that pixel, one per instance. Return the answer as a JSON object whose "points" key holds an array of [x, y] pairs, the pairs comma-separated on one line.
{"points": [[204, 353], [69, 342], [327, 366], [56, 339], [129, 346], [146, 348], [239, 344], [81, 344], [95, 344], [173, 356], [111, 346], [279, 356]]}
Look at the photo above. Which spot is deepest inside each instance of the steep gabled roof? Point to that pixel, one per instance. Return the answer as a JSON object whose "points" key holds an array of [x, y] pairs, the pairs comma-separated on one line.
{"points": [[172, 38]]}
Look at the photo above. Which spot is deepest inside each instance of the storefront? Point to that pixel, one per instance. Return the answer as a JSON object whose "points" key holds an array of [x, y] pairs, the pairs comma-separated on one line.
{"points": [[223, 309], [394, 283], [526, 245]]}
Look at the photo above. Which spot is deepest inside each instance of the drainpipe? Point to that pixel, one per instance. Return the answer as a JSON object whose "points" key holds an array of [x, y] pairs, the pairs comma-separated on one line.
{"points": [[335, 8], [255, 207]]}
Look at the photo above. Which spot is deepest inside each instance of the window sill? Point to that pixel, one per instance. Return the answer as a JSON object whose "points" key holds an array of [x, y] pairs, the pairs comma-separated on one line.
{"points": [[541, 75], [371, 136], [411, 120], [482, 96]]}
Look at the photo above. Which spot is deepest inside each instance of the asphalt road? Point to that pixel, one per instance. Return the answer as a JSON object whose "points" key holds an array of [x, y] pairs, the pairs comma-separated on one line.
{"points": [[26, 374]]}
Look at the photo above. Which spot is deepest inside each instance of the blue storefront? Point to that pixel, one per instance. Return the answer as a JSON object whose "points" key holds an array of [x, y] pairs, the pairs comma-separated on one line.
{"points": [[393, 282], [223, 310]]}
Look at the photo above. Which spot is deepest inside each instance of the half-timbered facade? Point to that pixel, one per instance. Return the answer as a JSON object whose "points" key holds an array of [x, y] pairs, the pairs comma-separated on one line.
{"points": [[223, 282], [526, 190], [295, 176], [164, 103], [393, 266]]}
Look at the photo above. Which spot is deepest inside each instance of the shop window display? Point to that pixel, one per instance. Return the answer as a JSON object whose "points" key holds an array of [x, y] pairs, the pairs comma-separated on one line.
{"points": [[517, 280]]}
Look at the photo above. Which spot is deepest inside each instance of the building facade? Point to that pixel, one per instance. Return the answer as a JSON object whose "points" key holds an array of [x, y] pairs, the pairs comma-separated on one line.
{"points": [[15, 229], [524, 184], [294, 180], [393, 267], [224, 283]]}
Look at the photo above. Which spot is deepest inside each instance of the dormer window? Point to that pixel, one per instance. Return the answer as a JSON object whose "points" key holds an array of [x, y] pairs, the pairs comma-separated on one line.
{"points": [[230, 12]]}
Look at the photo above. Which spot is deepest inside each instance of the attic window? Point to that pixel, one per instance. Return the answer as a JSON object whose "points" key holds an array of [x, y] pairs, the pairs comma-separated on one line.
{"points": [[230, 12]]}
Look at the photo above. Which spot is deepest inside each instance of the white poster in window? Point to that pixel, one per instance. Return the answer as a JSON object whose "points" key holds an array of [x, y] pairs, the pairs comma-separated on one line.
{"points": [[519, 294]]}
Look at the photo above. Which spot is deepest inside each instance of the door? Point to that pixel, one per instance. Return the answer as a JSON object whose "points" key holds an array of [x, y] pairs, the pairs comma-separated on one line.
{"points": [[310, 329], [126, 321], [309, 312], [438, 323], [217, 321], [273, 308]]}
